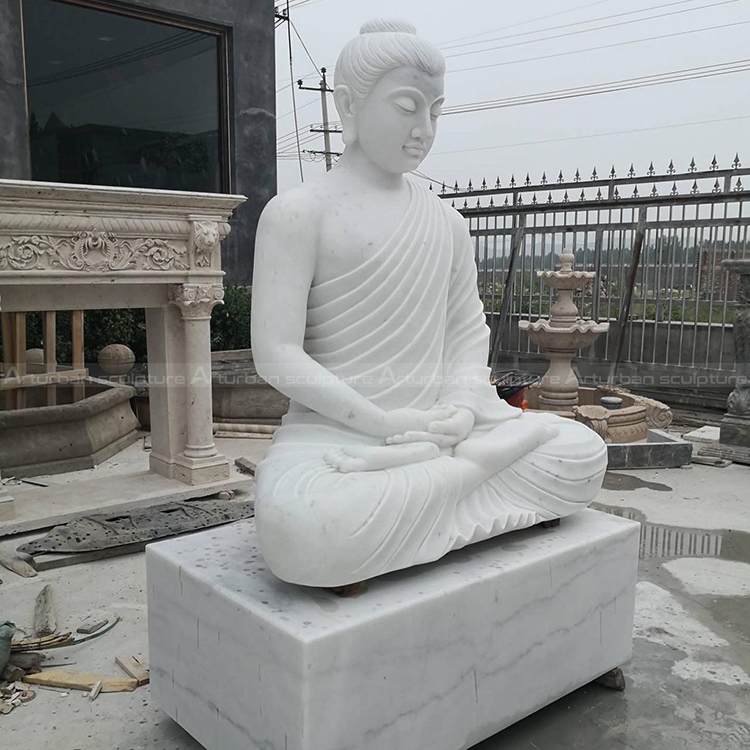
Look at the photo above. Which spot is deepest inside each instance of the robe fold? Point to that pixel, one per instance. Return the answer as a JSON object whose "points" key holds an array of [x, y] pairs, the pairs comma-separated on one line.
{"points": [[407, 329]]}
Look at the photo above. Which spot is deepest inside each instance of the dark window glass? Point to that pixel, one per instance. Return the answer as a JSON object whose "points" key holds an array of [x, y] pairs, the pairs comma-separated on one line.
{"points": [[118, 100]]}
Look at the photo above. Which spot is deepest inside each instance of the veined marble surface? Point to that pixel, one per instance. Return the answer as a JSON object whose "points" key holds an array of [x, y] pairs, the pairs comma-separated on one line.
{"points": [[438, 657]]}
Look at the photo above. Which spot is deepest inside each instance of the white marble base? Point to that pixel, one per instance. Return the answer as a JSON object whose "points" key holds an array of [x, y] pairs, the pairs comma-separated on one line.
{"points": [[437, 657]]}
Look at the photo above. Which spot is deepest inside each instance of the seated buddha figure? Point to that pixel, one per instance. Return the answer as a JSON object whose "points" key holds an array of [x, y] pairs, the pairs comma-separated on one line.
{"points": [[396, 448]]}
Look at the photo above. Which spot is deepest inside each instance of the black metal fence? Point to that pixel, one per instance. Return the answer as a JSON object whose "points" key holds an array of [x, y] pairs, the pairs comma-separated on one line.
{"points": [[679, 330]]}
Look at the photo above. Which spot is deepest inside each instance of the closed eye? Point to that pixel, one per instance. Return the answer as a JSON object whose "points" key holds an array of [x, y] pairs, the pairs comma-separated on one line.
{"points": [[407, 106]]}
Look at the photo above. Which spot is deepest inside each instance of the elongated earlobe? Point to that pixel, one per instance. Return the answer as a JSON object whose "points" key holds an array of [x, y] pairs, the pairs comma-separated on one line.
{"points": [[345, 105]]}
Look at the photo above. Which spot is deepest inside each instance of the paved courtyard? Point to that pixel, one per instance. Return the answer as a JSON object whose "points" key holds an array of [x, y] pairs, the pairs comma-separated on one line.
{"points": [[688, 683]]}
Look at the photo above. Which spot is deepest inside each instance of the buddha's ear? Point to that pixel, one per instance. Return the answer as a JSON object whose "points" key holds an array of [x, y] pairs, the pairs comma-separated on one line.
{"points": [[345, 106]]}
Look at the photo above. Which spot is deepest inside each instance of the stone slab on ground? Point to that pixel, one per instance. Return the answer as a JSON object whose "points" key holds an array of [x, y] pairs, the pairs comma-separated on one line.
{"points": [[438, 657], [661, 451], [706, 434]]}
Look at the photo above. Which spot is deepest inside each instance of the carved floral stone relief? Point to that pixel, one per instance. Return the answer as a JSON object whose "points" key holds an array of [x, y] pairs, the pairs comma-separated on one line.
{"points": [[94, 251]]}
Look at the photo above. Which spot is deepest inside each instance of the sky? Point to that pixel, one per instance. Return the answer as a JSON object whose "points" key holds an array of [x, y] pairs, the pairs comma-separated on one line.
{"points": [[508, 47]]}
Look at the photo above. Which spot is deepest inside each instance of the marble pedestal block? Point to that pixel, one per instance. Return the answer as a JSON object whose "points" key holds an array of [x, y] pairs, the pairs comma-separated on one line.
{"points": [[437, 657]]}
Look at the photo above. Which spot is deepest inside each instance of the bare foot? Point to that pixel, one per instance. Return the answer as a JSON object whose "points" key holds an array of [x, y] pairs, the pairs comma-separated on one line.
{"points": [[376, 457]]}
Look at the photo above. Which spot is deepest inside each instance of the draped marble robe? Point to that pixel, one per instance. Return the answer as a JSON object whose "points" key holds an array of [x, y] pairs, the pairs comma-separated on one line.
{"points": [[407, 329]]}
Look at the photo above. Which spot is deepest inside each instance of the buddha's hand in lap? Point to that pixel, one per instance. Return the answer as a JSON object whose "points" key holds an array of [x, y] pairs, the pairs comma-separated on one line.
{"points": [[446, 431]]}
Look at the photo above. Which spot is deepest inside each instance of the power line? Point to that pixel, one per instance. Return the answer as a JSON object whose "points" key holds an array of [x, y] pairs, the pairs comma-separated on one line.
{"points": [[587, 31], [601, 47], [593, 135], [294, 96], [523, 23], [304, 46], [688, 74], [578, 23]]}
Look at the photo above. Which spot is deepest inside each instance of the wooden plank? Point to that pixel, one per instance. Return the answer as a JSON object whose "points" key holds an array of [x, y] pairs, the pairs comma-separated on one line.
{"points": [[49, 343], [65, 678], [88, 629], [45, 618], [135, 668], [17, 565]]}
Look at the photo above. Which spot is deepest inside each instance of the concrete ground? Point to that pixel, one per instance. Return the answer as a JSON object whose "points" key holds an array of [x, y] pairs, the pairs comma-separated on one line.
{"points": [[688, 680]]}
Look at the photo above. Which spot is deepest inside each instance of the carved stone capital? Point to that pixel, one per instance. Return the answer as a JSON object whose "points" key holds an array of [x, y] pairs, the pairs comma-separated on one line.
{"points": [[196, 300], [206, 238]]}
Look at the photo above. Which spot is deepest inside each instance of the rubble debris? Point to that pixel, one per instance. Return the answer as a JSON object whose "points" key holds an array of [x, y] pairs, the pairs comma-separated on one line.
{"points": [[11, 673], [92, 627], [49, 641], [45, 617], [14, 695], [7, 629], [95, 691], [246, 466], [101, 535], [17, 565], [26, 661], [135, 668], [70, 680]]}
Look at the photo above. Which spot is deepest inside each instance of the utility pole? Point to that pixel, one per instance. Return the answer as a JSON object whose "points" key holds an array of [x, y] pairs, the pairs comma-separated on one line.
{"points": [[326, 129]]}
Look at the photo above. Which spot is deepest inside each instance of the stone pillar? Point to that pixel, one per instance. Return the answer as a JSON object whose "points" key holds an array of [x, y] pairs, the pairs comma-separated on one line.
{"points": [[735, 426], [6, 499], [200, 461]]}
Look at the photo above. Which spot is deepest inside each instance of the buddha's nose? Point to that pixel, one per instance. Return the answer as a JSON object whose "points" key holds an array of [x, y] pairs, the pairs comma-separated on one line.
{"points": [[423, 130]]}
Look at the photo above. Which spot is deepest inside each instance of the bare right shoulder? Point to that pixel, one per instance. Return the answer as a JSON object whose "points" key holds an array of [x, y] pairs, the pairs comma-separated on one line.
{"points": [[293, 213]]}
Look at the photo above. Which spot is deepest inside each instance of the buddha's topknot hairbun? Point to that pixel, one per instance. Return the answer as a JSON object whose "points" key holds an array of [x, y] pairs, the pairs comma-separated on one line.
{"points": [[380, 25]]}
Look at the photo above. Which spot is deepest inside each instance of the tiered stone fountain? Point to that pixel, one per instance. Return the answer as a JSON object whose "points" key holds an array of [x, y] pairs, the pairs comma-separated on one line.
{"points": [[563, 335], [634, 428]]}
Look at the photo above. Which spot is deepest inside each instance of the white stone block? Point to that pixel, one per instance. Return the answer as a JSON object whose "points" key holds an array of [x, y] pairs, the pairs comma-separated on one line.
{"points": [[437, 657]]}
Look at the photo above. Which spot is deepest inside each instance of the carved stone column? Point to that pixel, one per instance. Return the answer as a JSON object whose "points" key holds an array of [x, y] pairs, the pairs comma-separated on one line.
{"points": [[5, 497], [200, 462], [735, 426]]}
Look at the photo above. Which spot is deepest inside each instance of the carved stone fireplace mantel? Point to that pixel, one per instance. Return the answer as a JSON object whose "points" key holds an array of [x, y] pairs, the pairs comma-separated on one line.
{"points": [[76, 247]]}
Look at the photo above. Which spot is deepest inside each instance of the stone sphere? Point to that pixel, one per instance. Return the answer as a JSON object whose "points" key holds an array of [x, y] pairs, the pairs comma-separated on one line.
{"points": [[116, 359], [35, 356]]}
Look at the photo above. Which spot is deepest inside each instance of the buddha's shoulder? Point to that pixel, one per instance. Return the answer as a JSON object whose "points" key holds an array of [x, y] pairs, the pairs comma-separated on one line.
{"points": [[301, 204]]}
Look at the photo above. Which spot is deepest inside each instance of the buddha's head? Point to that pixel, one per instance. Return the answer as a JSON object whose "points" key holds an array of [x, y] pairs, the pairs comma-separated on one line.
{"points": [[388, 90]]}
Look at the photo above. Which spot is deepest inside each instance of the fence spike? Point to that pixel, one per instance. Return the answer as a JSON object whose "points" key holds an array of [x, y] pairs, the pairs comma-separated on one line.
{"points": [[651, 171], [453, 204], [470, 188], [492, 202], [442, 190], [738, 187], [670, 168], [520, 200], [736, 164], [594, 175], [565, 197], [430, 186], [455, 187], [544, 178], [617, 194], [674, 189], [599, 195], [534, 201], [549, 198], [694, 190], [560, 177], [654, 192], [479, 205], [527, 181], [717, 187], [583, 196], [714, 164], [512, 180], [631, 171], [577, 178], [635, 192], [484, 184], [506, 201], [497, 184], [612, 174], [692, 168], [466, 203]]}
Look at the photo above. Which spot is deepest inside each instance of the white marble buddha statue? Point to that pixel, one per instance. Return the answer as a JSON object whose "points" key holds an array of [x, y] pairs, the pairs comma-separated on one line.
{"points": [[396, 448]]}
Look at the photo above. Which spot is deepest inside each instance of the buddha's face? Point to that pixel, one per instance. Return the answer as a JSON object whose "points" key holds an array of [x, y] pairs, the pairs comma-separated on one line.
{"points": [[395, 125]]}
